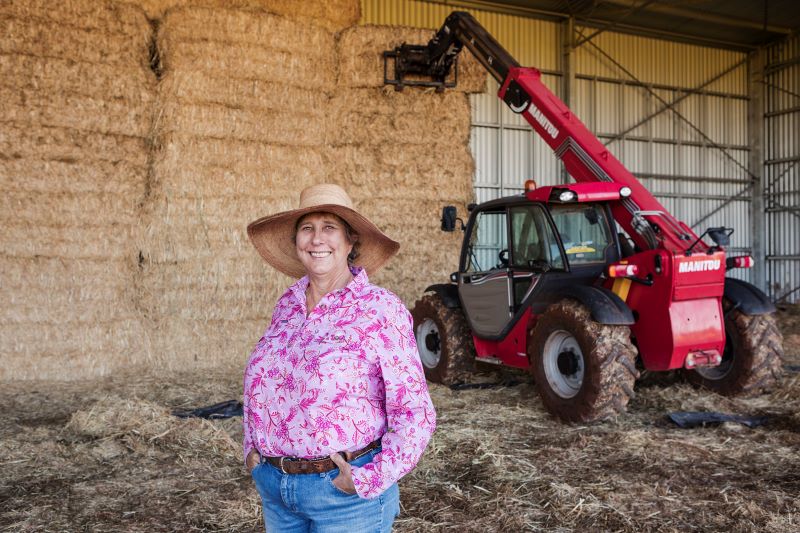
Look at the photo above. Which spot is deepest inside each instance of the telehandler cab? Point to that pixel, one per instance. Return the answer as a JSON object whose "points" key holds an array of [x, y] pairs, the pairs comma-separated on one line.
{"points": [[578, 282]]}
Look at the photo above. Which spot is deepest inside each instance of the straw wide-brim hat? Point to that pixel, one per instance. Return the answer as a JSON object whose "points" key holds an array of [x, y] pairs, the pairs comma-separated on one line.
{"points": [[272, 235]]}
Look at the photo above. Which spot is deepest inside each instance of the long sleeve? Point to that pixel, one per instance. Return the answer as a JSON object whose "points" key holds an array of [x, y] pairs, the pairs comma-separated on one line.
{"points": [[252, 377], [410, 416], [247, 441]]}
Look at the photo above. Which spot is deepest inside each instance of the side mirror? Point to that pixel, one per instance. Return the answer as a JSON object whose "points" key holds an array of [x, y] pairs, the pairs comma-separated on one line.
{"points": [[721, 236], [449, 217]]}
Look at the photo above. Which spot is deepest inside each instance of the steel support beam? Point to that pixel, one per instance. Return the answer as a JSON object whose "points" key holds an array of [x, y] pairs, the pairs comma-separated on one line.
{"points": [[665, 140], [787, 111], [755, 120], [675, 88], [674, 102]]}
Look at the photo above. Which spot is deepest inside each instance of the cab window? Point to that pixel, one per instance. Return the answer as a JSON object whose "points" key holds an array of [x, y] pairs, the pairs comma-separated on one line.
{"points": [[487, 240], [585, 232], [534, 244]]}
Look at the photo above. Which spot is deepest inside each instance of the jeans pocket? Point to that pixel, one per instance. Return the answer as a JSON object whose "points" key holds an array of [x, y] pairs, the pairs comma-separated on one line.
{"points": [[336, 489], [253, 470]]}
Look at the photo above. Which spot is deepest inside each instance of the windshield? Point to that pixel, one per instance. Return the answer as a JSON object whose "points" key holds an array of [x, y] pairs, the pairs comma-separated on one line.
{"points": [[584, 231]]}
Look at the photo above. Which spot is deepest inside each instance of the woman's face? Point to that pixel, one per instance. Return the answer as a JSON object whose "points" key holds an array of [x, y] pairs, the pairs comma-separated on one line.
{"points": [[321, 243]]}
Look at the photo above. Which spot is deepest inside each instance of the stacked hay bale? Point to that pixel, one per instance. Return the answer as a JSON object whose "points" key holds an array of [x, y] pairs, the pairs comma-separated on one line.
{"points": [[241, 126], [251, 110], [403, 154], [77, 94], [131, 165], [332, 15]]}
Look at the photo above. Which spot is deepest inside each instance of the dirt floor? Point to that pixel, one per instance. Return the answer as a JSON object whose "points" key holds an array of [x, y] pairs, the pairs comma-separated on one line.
{"points": [[107, 456]]}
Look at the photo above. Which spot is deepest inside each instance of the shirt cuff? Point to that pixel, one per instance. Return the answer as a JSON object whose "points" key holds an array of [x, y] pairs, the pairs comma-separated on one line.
{"points": [[361, 479]]}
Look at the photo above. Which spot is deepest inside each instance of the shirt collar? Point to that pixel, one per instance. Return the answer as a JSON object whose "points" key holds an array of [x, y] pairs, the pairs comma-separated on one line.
{"points": [[356, 286]]}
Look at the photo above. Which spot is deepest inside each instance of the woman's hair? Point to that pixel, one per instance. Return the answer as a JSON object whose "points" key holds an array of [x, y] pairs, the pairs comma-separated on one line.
{"points": [[349, 233]]}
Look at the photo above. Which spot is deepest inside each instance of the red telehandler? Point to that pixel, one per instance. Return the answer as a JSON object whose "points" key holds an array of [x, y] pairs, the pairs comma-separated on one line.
{"points": [[583, 283]]}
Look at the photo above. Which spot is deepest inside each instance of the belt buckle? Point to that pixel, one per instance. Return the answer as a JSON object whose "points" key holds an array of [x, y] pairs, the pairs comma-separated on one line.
{"points": [[283, 458]]}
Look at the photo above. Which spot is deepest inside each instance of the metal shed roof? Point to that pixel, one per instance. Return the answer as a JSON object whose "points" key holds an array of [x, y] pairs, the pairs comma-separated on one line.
{"points": [[738, 24]]}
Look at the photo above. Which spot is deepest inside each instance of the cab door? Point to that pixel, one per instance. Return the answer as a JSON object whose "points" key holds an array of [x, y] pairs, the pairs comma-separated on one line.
{"points": [[484, 283]]}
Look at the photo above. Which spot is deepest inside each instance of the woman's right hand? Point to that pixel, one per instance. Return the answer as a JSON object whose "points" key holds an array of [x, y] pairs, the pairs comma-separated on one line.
{"points": [[253, 458]]}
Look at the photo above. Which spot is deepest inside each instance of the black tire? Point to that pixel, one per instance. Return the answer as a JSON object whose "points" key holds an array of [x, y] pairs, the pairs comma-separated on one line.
{"points": [[443, 334], [595, 384], [752, 360]]}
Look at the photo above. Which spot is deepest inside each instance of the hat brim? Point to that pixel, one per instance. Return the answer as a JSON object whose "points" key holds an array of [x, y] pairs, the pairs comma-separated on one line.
{"points": [[272, 238]]}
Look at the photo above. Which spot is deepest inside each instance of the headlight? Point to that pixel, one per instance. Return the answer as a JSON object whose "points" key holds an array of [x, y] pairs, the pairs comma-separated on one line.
{"points": [[567, 196], [625, 192]]}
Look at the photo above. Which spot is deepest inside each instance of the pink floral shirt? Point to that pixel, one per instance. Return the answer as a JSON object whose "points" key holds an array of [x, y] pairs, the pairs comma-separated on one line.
{"points": [[343, 377]]}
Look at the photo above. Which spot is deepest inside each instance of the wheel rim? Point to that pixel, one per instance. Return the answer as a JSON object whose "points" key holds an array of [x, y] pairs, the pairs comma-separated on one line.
{"points": [[429, 343], [564, 365], [714, 373]]}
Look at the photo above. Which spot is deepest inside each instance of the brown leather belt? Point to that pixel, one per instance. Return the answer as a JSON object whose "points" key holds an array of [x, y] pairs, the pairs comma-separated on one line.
{"points": [[297, 465]]}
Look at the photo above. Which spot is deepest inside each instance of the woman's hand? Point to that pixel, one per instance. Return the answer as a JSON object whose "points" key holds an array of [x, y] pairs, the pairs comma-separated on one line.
{"points": [[253, 458], [344, 481]]}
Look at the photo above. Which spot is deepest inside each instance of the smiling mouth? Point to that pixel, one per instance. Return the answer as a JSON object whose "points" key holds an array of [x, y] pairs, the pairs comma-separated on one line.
{"points": [[320, 254]]}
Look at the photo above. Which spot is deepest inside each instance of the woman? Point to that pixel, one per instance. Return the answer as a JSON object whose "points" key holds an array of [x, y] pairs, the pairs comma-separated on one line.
{"points": [[336, 408]]}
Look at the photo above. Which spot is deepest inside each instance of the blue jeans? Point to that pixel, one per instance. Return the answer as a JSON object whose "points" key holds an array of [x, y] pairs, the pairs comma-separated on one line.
{"points": [[311, 502]]}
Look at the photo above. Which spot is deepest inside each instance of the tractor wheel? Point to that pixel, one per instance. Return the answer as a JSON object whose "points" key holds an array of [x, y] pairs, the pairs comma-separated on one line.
{"points": [[584, 371], [752, 359], [443, 340]]}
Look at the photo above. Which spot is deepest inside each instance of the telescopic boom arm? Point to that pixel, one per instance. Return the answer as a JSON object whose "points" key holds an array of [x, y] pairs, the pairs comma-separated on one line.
{"points": [[584, 156]]}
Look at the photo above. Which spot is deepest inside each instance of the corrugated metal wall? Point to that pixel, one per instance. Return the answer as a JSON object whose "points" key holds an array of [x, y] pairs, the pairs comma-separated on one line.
{"points": [[782, 169], [674, 114]]}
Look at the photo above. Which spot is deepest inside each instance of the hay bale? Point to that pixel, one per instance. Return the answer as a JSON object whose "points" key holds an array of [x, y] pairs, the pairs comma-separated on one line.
{"points": [[332, 15], [248, 62], [360, 57], [78, 96], [208, 290], [185, 170], [378, 116], [302, 128], [50, 177], [128, 83], [74, 111], [21, 140], [179, 344], [185, 229], [231, 27], [86, 241], [209, 88], [177, 150], [37, 273], [212, 275], [51, 39], [65, 306], [280, 51], [111, 17], [53, 351], [388, 171], [195, 239], [67, 208]]}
